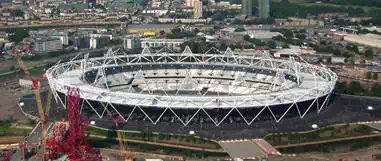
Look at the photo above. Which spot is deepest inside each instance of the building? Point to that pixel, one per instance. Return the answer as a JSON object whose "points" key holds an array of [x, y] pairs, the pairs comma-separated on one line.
{"points": [[82, 42], [247, 8], [63, 36], [25, 83], [104, 35], [197, 9], [189, 3], [97, 42], [101, 2], [183, 83], [155, 11], [140, 29], [264, 8], [288, 52], [337, 60], [131, 42], [3, 37], [170, 43], [42, 45], [258, 34], [155, 3], [298, 22], [183, 20]]}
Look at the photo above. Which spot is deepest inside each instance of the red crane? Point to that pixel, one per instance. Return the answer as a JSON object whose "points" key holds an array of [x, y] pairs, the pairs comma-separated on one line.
{"points": [[6, 155], [69, 136]]}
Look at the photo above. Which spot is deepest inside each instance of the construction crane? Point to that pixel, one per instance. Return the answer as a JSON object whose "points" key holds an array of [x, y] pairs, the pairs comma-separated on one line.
{"points": [[6, 155], [36, 90], [122, 139], [68, 137]]}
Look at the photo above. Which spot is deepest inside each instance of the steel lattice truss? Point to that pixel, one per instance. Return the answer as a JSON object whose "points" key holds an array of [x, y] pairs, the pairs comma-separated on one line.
{"points": [[189, 80]]}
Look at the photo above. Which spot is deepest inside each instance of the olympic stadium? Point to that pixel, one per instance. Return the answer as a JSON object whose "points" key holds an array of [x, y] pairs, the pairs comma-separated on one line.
{"points": [[212, 88]]}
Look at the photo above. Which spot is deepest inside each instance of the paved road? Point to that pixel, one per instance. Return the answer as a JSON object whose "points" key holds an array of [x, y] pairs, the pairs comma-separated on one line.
{"points": [[343, 109]]}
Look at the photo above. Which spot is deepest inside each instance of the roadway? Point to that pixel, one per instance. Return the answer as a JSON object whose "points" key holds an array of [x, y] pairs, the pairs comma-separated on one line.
{"points": [[343, 109]]}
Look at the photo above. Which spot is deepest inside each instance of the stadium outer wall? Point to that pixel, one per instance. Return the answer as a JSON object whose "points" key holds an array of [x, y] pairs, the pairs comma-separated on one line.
{"points": [[213, 115]]}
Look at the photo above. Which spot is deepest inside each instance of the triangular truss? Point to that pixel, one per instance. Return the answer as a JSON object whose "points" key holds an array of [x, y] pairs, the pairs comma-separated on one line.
{"points": [[211, 92], [187, 55]]}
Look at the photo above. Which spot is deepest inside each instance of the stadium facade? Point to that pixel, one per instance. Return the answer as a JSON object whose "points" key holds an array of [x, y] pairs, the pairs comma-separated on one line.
{"points": [[192, 88]]}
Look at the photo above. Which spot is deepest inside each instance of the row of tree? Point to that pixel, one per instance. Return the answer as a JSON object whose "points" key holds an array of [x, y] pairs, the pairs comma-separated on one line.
{"points": [[278, 10], [368, 53], [355, 88], [371, 3]]}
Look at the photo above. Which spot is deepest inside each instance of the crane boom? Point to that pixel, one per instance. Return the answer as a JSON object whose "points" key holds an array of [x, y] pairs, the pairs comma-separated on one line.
{"points": [[36, 91], [122, 140]]}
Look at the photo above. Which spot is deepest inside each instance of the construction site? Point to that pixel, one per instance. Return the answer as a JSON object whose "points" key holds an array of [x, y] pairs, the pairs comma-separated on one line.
{"points": [[62, 137], [58, 128]]}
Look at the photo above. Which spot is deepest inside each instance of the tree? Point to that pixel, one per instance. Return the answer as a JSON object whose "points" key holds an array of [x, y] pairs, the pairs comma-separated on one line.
{"points": [[12, 67], [353, 48], [176, 30], [323, 42], [17, 13], [285, 46], [376, 90], [271, 44], [240, 29], [246, 38], [18, 34], [355, 88], [258, 42], [375, 76], [123, 19], [368, 75], [196, 30], [162, 32], [341, 87], [300, 36], [99, 6], [369, 53]]}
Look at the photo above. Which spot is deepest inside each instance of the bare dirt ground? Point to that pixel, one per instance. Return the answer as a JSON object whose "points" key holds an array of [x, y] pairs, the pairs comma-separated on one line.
{"points": [[360, 155], [10, 92], [4, 65]]}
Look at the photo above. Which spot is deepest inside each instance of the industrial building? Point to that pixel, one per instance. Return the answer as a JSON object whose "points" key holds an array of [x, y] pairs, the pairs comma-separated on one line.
{"points": [[183, 20], [154, 43], [264, 8], [131, 42], [156, 28], [197, 8], [42, 45], [82, 42], [247, 8]]}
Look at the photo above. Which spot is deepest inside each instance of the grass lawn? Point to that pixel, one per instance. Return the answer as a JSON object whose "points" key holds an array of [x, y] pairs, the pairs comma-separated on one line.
{"points": [[160, 138], [327, 133]]}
